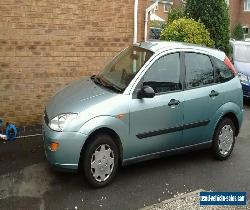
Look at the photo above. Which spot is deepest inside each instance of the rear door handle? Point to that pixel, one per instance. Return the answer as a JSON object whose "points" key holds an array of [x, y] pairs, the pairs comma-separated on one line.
{"points": [[213, 93], [173, 102]]}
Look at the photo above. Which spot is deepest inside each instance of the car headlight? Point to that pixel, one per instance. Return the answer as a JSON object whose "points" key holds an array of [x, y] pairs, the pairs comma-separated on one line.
{"points": [[242, 77], [59, 122]]}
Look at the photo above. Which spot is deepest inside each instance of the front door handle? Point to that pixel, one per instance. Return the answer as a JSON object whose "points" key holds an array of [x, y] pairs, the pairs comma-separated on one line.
{"points": [[173, 102], [213, 93]]}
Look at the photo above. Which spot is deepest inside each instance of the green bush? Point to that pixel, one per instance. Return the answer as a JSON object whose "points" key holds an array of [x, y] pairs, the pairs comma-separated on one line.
{"points": [[187, 30], [175, 14], [238, 32], [214, 14]]}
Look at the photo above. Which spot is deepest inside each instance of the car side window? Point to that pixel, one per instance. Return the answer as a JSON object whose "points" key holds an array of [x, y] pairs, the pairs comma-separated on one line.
{"points": [[222, 73], [164, 74], [199, 70]]}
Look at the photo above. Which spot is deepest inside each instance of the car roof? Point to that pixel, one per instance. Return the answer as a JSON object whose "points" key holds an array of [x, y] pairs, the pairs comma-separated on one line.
{"points": [[160, 46]]}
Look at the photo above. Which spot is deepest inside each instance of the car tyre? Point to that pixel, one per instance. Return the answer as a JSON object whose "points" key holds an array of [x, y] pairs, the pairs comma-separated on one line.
{"points": [[100, 160], [224, 139]]}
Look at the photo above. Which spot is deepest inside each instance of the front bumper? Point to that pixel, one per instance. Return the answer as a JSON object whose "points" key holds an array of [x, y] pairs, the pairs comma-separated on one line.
{"points": [[246, 89], [70, 146]]}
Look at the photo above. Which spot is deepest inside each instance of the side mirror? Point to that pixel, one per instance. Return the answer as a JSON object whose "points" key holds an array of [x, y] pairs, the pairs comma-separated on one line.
{"points": [[146, 92]]}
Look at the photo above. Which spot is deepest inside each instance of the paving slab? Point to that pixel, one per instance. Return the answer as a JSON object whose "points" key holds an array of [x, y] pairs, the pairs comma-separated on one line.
{"points": [[189, 201]]}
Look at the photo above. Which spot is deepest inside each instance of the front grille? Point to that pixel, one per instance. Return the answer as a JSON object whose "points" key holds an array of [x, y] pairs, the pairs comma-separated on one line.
{"points": [[46, 119]]}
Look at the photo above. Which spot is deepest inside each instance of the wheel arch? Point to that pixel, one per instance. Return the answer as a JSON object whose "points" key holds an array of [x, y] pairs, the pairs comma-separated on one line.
{"points": [[235, 120], [111, 133]]}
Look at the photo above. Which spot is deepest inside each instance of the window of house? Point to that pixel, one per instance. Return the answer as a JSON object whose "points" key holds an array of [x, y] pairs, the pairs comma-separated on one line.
{"points": [[156, 7], [164, 74], [245, 29], [247, 5], [199, 70], [166, 7]]}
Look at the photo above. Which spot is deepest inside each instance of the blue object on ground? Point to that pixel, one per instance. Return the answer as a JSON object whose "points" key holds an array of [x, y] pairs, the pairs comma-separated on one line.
{"points": [[11, 132]]}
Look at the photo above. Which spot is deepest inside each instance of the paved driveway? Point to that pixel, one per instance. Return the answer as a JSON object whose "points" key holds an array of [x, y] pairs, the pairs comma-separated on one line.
{"points": [[27, 182]]}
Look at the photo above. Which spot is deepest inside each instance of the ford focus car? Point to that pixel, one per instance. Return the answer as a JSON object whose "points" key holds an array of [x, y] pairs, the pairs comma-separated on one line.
{"points": [[153, 99]]}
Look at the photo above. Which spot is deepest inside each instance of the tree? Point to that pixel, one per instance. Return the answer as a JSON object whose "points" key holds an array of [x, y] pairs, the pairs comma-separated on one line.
{"points": [[238, 32], [215, 16], [187, 30], [175, 14]]}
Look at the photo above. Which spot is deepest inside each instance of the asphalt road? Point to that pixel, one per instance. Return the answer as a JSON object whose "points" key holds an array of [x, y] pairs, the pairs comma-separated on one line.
{"points": [[27, 181]]}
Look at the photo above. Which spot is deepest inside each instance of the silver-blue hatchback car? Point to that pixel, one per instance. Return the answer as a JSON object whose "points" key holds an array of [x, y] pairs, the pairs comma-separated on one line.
{"points": [[152, 99]]}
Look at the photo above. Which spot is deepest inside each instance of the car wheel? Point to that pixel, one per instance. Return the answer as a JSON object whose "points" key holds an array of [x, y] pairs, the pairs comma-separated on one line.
{"points": [[100, 161], [224, 139]]}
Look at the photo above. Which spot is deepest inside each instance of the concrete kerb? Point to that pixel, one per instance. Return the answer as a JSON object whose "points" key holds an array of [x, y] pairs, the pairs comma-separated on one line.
{"points": [[173, 199]]}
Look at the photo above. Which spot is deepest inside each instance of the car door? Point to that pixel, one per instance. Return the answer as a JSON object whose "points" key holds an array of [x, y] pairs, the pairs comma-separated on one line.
{"points": [[202, 98], [155, 123]]}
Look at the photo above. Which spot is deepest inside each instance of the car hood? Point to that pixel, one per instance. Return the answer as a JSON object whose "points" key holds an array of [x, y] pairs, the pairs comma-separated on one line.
{"points": [[242, 67], [77, 95]]}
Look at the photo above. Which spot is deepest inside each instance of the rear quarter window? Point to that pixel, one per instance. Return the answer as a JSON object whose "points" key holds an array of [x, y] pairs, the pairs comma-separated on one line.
{"points": [[222, 72]]}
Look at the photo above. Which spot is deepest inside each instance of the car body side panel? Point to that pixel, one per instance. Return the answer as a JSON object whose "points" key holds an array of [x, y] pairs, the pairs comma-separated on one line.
{"points": [[155, 125], [219, 114], [200, 108], [233, 92], [233, 103], [119, 126]]}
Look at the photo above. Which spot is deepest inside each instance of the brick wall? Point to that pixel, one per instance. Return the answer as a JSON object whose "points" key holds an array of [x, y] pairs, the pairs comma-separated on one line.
{"points": [[160, 12], [234, 12], [244, 16], [237, 13], [46, 44], [163, 14]]}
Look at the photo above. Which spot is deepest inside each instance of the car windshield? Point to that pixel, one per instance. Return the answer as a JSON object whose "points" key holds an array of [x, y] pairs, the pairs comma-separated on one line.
{"points": [[122, 69], [242, 53]]}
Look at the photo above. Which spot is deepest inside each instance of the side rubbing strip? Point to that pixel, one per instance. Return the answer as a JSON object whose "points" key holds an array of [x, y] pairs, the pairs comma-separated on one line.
{"points": [[172, 130], [196, 124], [159, 132]]}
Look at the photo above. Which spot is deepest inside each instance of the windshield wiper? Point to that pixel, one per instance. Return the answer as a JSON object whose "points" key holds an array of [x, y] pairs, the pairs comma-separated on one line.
{"points": [[104, 83], [97, 80], [113, 87]]}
